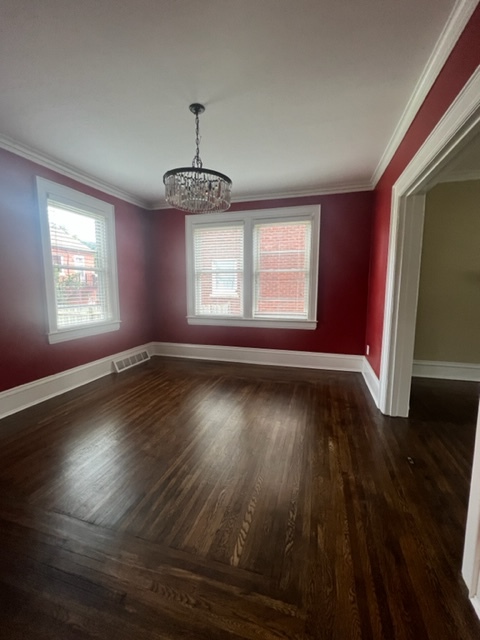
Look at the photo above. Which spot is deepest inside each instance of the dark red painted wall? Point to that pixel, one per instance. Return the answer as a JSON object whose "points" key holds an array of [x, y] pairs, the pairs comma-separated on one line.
{"points": [[459, 67], [345, 230], [151, 257], [24, 350]]}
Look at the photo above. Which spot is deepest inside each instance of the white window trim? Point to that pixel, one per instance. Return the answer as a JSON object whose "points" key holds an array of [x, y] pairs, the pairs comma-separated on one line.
{"points": [[249, 218], [70, 197]]}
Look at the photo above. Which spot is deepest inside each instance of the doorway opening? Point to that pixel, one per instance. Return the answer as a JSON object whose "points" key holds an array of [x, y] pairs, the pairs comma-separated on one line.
{"points": [[459, 126]]}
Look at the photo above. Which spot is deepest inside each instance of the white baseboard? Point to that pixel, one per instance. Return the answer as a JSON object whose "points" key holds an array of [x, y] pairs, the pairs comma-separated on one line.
{"points": [[32, 393], [476, 604], [372, 381], [274, 357], [26, 395], [446, 370], [248, 355]]}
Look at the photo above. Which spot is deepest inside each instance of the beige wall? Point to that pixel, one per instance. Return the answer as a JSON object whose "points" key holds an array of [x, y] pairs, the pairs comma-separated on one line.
{"points": [[448, 317]]}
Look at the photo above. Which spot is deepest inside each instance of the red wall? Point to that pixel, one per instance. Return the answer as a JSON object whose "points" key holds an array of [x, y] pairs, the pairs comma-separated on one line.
{"points": [[25, 352], [345, 230], [151, 260], [460, 65]]}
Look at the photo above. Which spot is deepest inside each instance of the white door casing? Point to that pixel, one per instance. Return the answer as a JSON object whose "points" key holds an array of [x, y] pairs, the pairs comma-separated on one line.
{"points": [[457, 127], [452, 133]]}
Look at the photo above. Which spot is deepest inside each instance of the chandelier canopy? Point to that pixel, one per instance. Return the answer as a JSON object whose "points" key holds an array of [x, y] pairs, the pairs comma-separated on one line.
{"points": [[195, 189]]}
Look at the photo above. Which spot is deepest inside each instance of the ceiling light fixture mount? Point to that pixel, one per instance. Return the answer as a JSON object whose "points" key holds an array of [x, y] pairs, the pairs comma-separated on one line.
{"points": [[195, 189]]}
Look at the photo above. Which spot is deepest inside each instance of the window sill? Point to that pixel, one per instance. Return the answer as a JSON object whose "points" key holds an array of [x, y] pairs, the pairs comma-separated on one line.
{"points": [[260, 323], [82, 332]]}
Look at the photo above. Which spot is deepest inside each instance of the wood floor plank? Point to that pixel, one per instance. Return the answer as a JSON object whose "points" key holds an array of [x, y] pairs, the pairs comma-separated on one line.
{"points": [[212, 501]]}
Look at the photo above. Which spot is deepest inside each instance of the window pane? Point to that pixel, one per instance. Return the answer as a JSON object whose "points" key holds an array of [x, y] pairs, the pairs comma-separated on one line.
{"points": [[218, 265], [79, 258], [282, 269], [224, 277]]}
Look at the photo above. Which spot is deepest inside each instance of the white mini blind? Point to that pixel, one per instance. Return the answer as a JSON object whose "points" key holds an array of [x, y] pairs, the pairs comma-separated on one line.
{"points": [[253, 268], [218, 270], [282, 269], [79, 254]]}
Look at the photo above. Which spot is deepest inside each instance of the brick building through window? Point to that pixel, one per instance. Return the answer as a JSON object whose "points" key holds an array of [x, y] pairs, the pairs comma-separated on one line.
{"points": [[243, 267]]}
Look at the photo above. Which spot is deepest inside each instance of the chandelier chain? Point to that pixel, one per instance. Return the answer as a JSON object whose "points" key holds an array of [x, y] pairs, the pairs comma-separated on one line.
{"points": [[197, 162]]}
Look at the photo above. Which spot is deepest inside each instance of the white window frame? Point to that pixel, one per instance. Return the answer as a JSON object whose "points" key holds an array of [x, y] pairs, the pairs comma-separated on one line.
{"points": [[249, 219], [48, 190]]}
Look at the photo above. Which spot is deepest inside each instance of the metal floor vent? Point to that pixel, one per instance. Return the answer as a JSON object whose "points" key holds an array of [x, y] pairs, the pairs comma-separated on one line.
{"points": [[130, 361]]}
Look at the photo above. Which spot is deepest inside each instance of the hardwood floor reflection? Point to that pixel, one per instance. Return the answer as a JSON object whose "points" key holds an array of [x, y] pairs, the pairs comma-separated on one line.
{"points": [[217, 501]]}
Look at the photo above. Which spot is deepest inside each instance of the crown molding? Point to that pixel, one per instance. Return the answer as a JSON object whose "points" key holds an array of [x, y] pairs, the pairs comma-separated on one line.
{"points": [[456, 127], [67, 170], [456, 23], [285, 195], [452, 30]]}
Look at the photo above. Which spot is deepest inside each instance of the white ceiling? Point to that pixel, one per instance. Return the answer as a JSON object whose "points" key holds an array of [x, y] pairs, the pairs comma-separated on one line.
{"points": [[302, 96]]}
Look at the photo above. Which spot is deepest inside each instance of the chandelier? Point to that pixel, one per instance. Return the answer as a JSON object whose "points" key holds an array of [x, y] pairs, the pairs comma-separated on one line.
{"points": [[195, 189]]}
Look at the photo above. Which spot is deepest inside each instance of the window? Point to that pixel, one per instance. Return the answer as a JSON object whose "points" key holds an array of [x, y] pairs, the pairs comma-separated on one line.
{"points": [[78, 239], [254, 268]]}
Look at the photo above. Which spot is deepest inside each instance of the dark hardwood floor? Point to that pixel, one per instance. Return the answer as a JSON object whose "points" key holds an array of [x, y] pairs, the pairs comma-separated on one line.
{"points": [[217, 501]]}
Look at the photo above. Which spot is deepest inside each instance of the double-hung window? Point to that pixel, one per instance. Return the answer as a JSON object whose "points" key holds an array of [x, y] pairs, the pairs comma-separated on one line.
{"points": [[79, 256], [254, 268]]}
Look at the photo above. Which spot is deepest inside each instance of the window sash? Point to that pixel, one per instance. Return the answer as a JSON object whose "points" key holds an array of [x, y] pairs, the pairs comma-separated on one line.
{"points": [[292, 292], [78, 303], [215, 244]]}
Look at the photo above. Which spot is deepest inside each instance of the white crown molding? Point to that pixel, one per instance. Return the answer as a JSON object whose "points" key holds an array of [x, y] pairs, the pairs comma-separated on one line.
{"points": [[446, 370], [460, 121], [27, 395], [456, 23], [460, 176], [67, 170], [270, 357], [64, 169], [461, 117], [281, 195]]}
